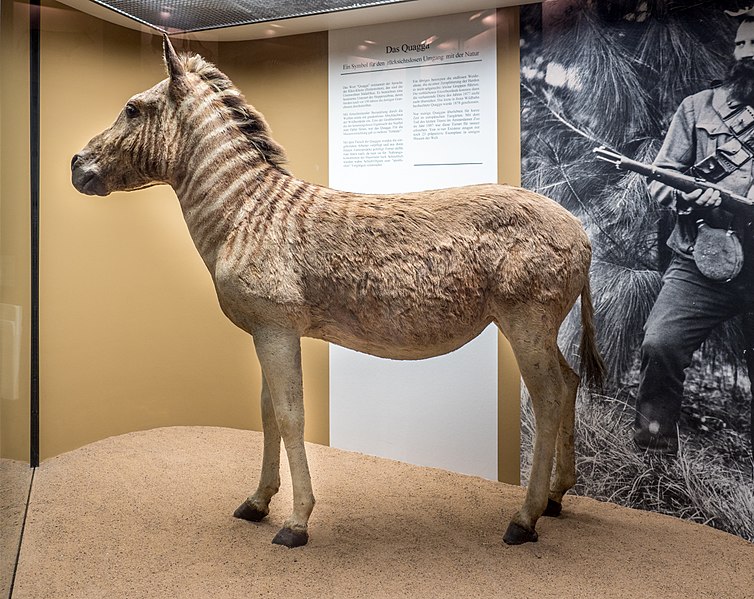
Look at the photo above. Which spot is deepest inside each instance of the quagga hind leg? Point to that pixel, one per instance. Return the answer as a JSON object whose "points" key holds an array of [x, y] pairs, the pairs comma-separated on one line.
{"points": [[565, 461], [279, 353], [534, 343], [257, 506]]}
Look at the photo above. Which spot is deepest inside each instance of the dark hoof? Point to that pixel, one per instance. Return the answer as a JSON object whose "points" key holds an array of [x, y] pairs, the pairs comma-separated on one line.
{"points": [[517, 535], [248, 512], [553, 509], [291, 538]]}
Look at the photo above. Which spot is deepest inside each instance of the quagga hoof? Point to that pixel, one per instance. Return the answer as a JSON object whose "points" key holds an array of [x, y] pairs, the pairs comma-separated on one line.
{"points": [[553, 509], [246, 511], [291, 538], [517, 535]]}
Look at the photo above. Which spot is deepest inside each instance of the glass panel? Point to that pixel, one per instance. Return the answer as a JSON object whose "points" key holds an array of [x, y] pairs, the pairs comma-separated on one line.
{"points": [[15, 474]]}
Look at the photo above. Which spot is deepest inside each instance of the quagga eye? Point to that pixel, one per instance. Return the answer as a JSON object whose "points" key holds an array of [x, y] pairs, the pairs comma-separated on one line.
{"points": [[131, 110]]}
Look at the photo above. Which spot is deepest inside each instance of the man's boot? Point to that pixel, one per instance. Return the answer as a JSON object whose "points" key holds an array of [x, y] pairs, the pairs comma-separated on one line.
{"points": [[654, 431]]}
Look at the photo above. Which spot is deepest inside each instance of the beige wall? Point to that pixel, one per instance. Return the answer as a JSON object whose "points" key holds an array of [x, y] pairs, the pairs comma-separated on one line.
{"points": [[132, 336], [286, 79], [131, 333], [15, 225]]}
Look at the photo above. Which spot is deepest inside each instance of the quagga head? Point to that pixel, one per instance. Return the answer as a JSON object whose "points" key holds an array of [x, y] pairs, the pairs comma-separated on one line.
{"points": [[135, 151]]}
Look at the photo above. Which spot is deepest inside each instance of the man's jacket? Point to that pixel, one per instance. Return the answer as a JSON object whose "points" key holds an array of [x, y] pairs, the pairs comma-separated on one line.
{"points": [[698, 132]]}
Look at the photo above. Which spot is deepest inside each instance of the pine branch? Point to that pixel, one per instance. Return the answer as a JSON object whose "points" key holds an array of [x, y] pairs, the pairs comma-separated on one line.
{"points": [[561, 118]]}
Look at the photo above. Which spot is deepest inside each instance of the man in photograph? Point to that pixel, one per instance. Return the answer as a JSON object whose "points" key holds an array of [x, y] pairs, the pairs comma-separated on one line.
{"points": [[711, 276]]}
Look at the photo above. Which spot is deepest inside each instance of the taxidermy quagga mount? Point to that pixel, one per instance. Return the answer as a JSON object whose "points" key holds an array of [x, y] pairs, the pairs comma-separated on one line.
{"points": [[404, 276]]}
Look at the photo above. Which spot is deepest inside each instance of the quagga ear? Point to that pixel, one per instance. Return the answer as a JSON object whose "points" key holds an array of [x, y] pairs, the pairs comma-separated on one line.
{"points": [[172, 62]]}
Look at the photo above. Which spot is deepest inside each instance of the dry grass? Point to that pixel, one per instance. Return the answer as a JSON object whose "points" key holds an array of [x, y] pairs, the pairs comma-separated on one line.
{"points": [[700, 484]]}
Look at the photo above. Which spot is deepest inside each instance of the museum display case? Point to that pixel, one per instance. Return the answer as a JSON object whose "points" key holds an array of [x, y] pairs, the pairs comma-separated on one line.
{"points": [[114, 340]]}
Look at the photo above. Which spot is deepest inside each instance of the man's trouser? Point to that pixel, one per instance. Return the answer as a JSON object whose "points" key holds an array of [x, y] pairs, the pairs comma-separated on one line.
{"points": [[687, 309]]}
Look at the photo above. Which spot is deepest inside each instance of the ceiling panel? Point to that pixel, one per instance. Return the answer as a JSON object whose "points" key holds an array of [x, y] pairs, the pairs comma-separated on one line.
{"points": [[228, 20], [180, 16]]}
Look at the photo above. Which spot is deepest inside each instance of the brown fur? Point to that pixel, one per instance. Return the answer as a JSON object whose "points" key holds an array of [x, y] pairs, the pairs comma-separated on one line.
{"points": [[403, 276]]}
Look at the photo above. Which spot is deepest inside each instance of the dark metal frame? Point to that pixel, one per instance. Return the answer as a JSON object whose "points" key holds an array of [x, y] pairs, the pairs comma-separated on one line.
{"points": [[34, 148]]}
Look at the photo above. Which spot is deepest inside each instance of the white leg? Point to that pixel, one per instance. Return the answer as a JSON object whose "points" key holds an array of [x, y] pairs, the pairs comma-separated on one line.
{"points": [[565, 463], [279, 353], [538, 358], [257, 506]]}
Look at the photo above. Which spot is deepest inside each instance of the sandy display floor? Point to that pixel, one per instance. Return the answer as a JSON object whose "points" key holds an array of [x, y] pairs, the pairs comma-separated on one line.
{"points": [[149, 514], [15, 478]]}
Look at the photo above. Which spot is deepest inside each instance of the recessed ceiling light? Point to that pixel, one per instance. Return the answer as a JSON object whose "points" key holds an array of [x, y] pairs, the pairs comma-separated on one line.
{"points": [[180, 16]]}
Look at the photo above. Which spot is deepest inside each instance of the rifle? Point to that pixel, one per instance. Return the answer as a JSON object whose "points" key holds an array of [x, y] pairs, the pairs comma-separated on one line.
{"points": [[732, 202]]}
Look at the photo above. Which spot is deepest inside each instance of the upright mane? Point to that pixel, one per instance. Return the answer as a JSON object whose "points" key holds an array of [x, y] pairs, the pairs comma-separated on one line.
{"points": [[250, 122]]}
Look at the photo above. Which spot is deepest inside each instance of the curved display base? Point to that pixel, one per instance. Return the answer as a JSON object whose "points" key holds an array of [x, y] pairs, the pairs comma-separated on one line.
{"points": [[150, 514]]}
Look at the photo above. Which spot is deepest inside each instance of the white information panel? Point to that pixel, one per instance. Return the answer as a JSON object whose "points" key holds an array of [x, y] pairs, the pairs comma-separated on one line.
{"points": [[413, 106]]}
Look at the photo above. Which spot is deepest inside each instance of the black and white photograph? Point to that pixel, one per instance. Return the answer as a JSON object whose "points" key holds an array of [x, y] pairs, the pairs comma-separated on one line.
{"points": [[637, 117]]}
